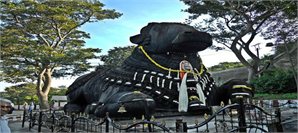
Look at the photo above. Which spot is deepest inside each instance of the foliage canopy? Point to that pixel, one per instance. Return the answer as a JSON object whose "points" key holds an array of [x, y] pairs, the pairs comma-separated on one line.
{"points": [[225, 65], [26, 92], [116, 56], [235, 24], [275, 81], [41, 40]]}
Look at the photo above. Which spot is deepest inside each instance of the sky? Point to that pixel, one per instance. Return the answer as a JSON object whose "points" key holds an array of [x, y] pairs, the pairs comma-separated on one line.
{"points": [[111, 33]]}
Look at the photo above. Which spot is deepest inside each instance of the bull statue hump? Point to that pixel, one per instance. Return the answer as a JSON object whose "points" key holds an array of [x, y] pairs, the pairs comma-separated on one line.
{"points": [[164, 72]]}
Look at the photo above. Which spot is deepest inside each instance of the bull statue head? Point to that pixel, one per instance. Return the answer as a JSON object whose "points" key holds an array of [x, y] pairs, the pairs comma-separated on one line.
{"points": [[174, 37]]}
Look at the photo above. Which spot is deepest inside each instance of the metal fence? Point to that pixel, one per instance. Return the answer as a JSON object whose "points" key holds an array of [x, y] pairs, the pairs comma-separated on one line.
{"points": [[238, 117]]}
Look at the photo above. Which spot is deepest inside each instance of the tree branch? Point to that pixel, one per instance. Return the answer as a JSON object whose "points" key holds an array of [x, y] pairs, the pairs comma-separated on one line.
{"points": [[228, 23], [225, 44], [52, 68], [263, 21], [239, 11], [39, 80], [31, 63], [47, 81], [246, 47], [16, 19], [43, 39], [58, 32], [240, 57], [72, 29]]}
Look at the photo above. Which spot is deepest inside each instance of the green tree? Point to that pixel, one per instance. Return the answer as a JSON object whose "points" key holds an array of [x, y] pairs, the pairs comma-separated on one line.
{"points": [[116, 56], [275, 81], [57, 91], [285, 34], [26, 92], [235, 24], [282, 30], [225, 65], [41, 40], [281, 48], [21, 93], [289, 49]]}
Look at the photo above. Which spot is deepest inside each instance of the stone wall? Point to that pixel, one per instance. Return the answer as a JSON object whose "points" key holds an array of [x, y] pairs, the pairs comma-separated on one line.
{"points": [[221, 77], [283, 61], [279, 61]]}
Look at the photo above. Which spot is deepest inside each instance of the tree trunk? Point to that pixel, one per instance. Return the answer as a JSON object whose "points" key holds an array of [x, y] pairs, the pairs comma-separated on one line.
{"points": [[251, 74], [43, 101], [252, 68], [43, 87]]}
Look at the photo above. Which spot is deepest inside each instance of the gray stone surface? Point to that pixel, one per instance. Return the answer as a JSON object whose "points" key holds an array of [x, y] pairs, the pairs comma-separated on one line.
{"points": [[16, 127], [290, 120]]}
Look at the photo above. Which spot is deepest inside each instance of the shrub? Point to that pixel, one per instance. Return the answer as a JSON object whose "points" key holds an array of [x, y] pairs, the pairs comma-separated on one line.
{"points": [[275, 81]]}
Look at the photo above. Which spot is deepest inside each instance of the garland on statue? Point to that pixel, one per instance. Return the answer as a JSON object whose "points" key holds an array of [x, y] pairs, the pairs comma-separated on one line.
{"points": [[183, 96], [169, 69]]}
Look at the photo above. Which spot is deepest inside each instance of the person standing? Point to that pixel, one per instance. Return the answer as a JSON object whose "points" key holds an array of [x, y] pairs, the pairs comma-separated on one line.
{"points": [[52, 103], [25, 105], [5, 108], [31, 106]]}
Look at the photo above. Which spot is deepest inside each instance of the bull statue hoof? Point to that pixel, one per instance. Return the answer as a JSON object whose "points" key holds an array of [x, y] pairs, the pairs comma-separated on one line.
{"points": [[164, 72]]}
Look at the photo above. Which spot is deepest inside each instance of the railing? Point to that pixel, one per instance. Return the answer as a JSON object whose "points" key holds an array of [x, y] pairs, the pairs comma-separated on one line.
{"points": [[275, 103], [83, 123], [238, 117]]}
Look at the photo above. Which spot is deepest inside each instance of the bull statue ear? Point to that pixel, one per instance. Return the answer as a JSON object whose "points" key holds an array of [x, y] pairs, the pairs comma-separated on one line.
{"points": [[140, 39], [136, 39]]}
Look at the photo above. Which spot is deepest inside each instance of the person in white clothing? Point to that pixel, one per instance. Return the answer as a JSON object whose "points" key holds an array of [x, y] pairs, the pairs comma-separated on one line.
{"points": [[31, 106], [5, 108]]}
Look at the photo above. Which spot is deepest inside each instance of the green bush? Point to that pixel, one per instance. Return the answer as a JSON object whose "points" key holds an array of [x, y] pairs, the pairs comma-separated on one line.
{"points": [[275, 81], [283, 96]]}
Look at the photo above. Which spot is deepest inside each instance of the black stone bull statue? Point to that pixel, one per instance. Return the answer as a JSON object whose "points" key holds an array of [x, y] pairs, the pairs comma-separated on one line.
{"points": [[164, 72]]}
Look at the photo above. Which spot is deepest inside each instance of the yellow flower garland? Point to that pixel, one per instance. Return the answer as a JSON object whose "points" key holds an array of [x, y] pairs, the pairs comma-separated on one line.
{"points": [[169, 69]]}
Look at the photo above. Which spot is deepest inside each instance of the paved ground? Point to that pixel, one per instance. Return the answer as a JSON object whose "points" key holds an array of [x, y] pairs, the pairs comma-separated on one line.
{"points": [[15, 124], [16, 127], [289, 121]]}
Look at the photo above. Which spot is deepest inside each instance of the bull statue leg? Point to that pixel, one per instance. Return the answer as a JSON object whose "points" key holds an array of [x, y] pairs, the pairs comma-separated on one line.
{"points": [[124, 104]]}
